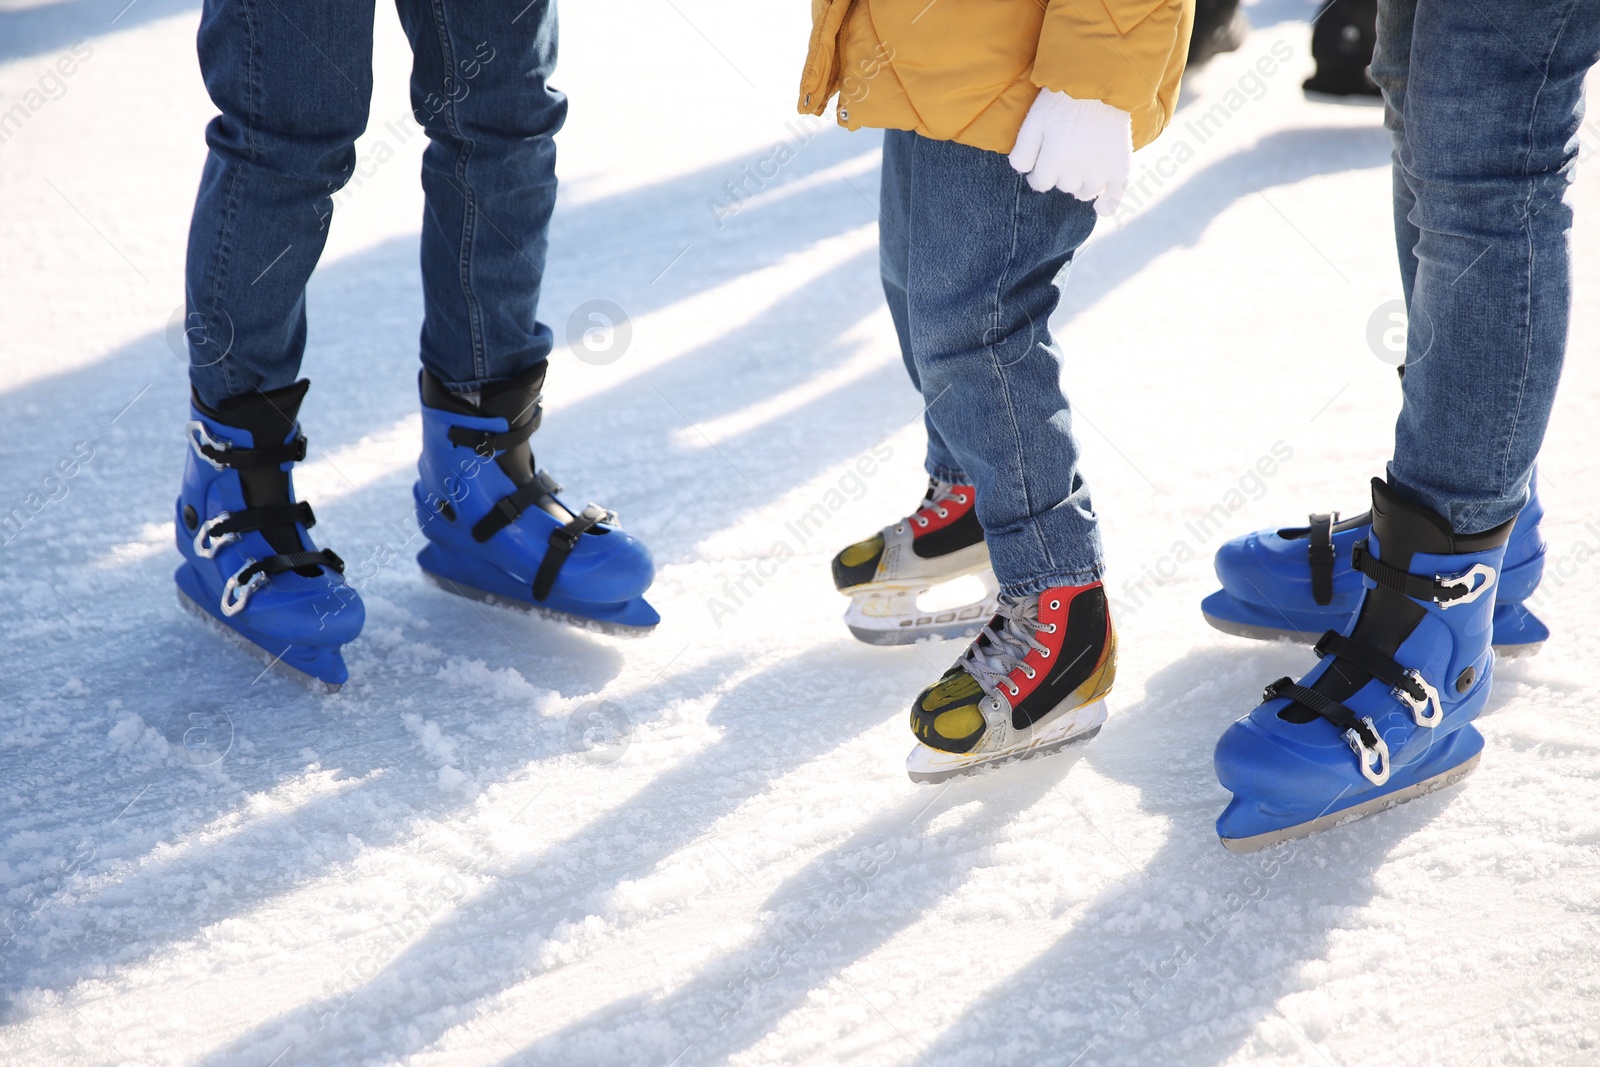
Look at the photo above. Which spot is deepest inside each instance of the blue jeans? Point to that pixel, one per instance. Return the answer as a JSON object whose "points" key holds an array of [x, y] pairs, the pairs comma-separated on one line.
{"points": [[1484, 101], [293, 82], [969, 256]]}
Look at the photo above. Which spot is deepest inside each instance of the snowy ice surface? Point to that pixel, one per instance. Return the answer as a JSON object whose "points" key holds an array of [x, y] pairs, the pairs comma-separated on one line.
{"points": [[506, 842]]}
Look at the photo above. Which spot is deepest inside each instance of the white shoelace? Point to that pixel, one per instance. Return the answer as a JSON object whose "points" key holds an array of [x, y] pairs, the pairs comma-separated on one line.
{"points": [[1008, 647], [939, 493]]}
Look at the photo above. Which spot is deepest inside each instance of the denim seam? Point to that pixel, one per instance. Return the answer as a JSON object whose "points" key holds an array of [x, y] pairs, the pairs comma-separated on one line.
{"points": [[999, 371], [1471, 512], [230, 201], [480, 362]]}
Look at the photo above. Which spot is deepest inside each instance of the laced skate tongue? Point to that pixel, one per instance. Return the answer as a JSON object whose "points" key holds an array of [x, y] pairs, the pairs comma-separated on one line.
{"points": [[1002, 647], [269, 418]]}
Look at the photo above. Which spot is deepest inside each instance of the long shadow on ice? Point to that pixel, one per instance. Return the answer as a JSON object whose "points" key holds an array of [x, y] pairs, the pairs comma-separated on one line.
{"points": [[492, 938], [1192, 950]]}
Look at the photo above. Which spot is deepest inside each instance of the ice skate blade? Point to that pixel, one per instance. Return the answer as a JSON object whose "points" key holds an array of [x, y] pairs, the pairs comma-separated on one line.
{"points": [[1259, 633], [890, 616], [929, 765], [274, 662], [1516, 631], [912, 631], [1439, 781], [581, 622]]}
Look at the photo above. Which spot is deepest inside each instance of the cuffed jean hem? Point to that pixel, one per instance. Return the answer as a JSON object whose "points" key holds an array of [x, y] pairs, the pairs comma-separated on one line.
{"points": [[1034, 586], [1466, 517]]}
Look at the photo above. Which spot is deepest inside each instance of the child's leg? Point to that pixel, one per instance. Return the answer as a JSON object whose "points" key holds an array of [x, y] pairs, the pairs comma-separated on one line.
{"points": [[983, 252], [894, 249]]}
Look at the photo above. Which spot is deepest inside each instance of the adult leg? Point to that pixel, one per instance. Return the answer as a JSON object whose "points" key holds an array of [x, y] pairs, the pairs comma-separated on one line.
{"points": [[480, 88], [1486, 141], [293, 81]]}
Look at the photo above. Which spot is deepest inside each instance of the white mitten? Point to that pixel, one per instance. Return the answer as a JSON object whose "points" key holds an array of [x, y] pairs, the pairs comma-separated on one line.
{"points": [[1082, 147]]}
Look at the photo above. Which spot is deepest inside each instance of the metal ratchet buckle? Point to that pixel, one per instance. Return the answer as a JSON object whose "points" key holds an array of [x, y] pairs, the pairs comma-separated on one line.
{"points": [[1365, 755], [595, 513], [204, 546], [195, 431], [1465, 582], [1419, 708], [236, 596]]}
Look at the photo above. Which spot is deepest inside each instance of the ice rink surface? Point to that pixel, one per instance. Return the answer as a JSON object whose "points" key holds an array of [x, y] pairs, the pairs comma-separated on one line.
{"points": [[507, 842]]}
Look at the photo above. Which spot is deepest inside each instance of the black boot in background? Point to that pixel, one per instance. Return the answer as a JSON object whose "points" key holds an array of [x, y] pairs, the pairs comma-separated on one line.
{"points": [[1342, 39]]}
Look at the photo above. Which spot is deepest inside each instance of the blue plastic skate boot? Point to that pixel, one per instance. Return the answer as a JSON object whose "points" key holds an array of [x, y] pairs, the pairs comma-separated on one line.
{"points": [[249, 564], [1386, 714], [1296, 583], [496, 528]]}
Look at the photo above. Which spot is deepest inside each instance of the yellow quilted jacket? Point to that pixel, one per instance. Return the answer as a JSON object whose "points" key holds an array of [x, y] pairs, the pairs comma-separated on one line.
{"points": [[968, 70]]}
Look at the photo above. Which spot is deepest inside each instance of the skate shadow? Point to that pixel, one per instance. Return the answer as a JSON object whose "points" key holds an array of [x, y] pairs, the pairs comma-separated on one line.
{"points": [[485, 945], [103, 603], [1193, 949], [838, 909]]}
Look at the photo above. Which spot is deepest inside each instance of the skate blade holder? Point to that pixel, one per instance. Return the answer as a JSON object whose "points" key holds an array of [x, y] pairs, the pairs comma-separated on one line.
{"points": [[204, 546], [235, 595], [1419, 707], [199, 440], [1366, 756], [1473, 592]]}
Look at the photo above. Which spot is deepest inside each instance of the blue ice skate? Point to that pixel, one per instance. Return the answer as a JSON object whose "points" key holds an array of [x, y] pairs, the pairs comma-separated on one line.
{"points": [[249, 564], [498, 531], [1386, 714], [1296, 583]]}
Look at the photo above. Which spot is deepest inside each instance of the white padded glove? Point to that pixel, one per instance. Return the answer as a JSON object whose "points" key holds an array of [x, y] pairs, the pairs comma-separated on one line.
{"points": [[1082, 147]]}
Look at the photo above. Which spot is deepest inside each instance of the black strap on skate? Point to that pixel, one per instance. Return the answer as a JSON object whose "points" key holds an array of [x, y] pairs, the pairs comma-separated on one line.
{"points": [[487, 442], [1324, 706], [507, 509], [291, 561], [1322, 557], [266, 456], [260, 518], [1412, 585], [562, 541], [1376, 663]]}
